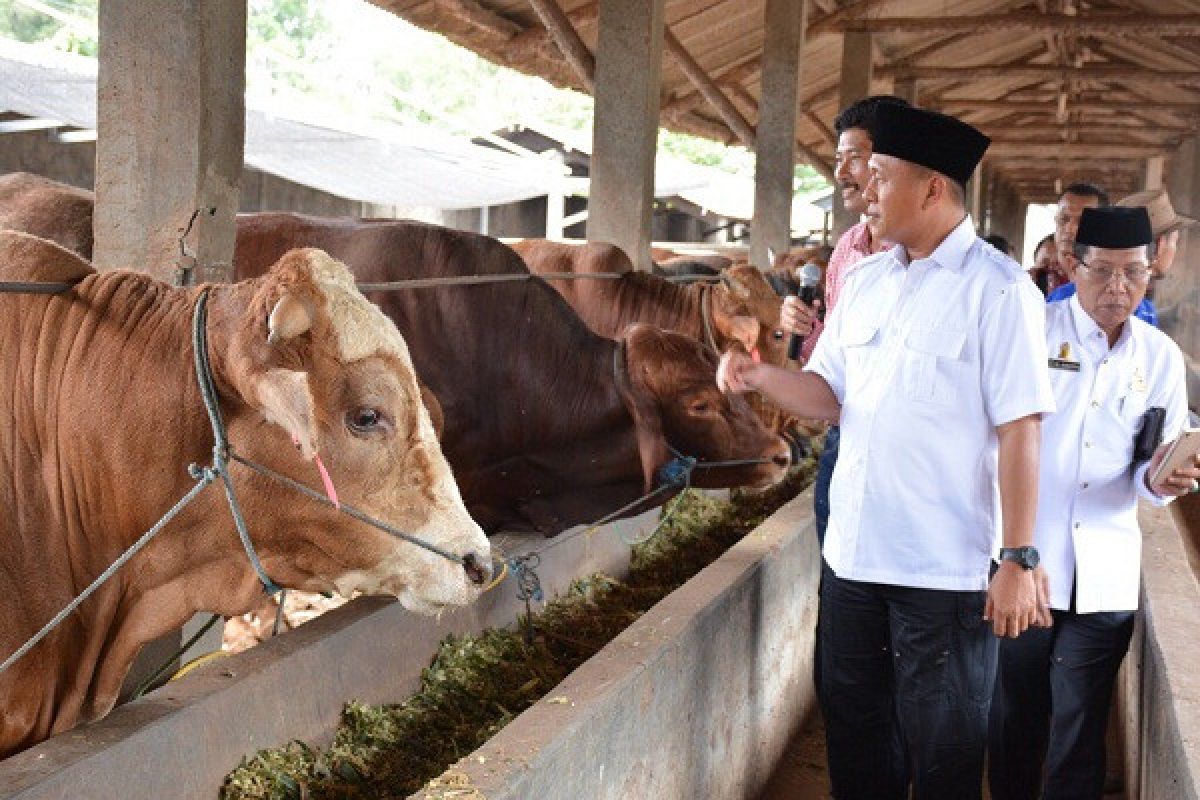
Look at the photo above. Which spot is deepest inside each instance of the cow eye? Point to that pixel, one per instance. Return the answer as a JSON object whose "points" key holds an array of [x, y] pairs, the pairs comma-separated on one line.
{"points": [[364, 420], [702, 407], [777, 335]]}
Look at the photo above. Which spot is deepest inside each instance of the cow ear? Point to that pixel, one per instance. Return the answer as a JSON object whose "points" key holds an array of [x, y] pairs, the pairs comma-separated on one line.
{"points": [[291, 317], [285, 400], [743, 329], [647, 421]]}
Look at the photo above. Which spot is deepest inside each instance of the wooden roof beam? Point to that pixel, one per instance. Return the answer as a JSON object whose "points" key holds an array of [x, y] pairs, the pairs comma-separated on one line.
{"points": [[709, 89], [533, 39], [1075, 105], [471, 12], [569, 43], [1043, 72], [1123, 23]]}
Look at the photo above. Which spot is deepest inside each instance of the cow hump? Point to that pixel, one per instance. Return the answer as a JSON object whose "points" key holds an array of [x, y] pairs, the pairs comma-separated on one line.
{"points": [[24, 257]]}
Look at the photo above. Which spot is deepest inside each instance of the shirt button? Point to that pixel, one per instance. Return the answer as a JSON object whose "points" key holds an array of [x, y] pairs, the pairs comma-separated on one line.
{"points": [[1087, 444], [1104, 363], [1076, 526], [1095, 404], [1085, 485]]}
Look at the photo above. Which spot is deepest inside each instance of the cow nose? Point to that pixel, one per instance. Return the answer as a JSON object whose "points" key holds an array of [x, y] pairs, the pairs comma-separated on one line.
{"points": [[477, 571], [783, 455], [783, 459]]}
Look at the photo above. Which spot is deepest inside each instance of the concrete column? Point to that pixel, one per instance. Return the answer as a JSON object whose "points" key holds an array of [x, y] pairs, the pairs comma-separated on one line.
{"points": [[625, 131], [855, 85], [171, 126], [1153, 177], [775, 144], [1178, 295], [975, 197]]}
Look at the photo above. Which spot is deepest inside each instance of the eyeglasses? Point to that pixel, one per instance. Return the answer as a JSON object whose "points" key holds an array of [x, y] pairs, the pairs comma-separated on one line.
{"points": [[1131, 276]]}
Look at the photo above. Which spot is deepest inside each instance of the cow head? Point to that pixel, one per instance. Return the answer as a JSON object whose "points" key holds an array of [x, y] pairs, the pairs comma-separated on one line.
{"points": [[670, 388], [747, 307], [330, 376]]}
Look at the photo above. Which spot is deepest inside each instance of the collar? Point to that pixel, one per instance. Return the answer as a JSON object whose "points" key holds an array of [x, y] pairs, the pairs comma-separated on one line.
{"points": [[951, 253], [1086, 328]]}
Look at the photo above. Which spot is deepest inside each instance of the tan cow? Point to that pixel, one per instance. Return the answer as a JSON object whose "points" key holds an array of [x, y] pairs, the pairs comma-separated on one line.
{"points": [[100, 415], [743, 308]]}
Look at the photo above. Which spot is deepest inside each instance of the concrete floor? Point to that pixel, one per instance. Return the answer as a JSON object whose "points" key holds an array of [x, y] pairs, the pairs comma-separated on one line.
{"points": [[800, 774]]}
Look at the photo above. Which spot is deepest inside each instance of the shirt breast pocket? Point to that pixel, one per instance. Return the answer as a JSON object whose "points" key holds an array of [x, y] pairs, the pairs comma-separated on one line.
{"points": [[933, 364]]}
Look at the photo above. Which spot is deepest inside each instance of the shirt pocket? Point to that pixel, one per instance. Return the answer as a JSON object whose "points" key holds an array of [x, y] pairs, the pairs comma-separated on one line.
{"points": [[861, 342], [933, 364]]}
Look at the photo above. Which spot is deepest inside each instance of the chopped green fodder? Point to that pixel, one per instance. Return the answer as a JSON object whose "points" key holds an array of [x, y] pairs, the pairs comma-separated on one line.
{"points": [[477, 684]]}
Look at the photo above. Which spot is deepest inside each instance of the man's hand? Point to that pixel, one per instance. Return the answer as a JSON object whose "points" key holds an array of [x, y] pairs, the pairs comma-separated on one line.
{"points": [[1179, 482], [736, 372], [1164, 254], [1043, 618], [796, 317], [1012, 600]]}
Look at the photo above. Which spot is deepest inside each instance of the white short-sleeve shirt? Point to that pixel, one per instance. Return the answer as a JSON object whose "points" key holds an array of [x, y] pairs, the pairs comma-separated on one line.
{"points": [[928, 358], [1087, 531]]}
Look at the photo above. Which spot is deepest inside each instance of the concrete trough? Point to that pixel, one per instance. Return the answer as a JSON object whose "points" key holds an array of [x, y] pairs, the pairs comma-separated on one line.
{"points": [[1158, 691], [698, 698], [182, 740]]}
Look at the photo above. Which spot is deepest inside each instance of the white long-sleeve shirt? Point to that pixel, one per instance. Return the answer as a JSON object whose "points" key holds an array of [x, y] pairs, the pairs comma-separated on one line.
{"points": [[928, 358], [1087, 531]]}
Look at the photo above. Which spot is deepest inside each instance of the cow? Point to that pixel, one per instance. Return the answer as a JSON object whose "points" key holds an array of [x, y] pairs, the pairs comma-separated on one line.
{"points": [[101, 414], [742, 308], [547, 424], [680, 265], [47, 208]]}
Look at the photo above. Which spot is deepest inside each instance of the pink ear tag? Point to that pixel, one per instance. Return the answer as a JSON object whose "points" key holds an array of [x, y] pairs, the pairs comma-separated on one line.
{"points": [[756, 356]]}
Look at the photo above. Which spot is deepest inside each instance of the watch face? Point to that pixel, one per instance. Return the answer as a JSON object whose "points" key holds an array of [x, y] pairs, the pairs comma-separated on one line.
{"points": [[1027, 557]]}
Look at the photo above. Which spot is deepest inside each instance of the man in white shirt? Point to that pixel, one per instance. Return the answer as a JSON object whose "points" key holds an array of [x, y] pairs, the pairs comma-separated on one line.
{"points": [[1054, 685], [934, 362]]}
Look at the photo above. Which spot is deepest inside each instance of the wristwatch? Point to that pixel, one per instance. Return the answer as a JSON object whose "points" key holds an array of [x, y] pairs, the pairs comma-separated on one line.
{"points": [[1026, 557]]}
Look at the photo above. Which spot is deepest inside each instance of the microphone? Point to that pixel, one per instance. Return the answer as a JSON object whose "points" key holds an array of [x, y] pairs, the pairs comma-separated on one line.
{"points": [[810, 277]]}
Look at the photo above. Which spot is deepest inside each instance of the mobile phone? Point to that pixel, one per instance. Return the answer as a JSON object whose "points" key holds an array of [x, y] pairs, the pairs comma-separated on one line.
{"points": [[1181, 451]]}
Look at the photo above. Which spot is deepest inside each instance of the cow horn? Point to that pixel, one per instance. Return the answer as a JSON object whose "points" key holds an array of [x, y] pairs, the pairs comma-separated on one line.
{"points": [[289, 318]]}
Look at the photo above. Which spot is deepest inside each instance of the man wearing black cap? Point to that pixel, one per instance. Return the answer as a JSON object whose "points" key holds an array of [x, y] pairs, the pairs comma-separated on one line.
{"points": [[934, 361], [1053, 687]]}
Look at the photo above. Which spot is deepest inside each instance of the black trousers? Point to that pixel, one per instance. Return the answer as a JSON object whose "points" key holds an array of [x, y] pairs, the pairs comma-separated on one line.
{"points": [[1050, 708], [906, 679]]}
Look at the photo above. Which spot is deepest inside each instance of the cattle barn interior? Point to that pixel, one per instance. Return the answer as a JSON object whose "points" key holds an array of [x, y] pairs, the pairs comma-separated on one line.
{"points": [[1102, 91]]}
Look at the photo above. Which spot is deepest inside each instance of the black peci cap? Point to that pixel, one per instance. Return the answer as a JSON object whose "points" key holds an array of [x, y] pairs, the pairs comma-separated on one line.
{"points": [[930, 139], [1115, 228]]}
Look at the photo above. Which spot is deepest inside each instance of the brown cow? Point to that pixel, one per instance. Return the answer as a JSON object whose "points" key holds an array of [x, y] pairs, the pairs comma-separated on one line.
{"points": [[48, 209], [100, 416], [743, 309], [547, 424]]}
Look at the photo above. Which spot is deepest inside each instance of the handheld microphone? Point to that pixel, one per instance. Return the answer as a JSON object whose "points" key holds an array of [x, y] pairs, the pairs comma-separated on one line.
{"points": [[810, 278]]}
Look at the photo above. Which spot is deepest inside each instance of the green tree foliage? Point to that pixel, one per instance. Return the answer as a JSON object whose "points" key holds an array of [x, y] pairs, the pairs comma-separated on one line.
{"points": [[27, 24]]}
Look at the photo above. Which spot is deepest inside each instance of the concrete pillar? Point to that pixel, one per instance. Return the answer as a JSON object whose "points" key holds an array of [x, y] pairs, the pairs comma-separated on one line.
{"points": [[171, 126], [775, 144], [975, 197], [1153, 177], [625, 131], [855, 85], [1178, 295]]}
